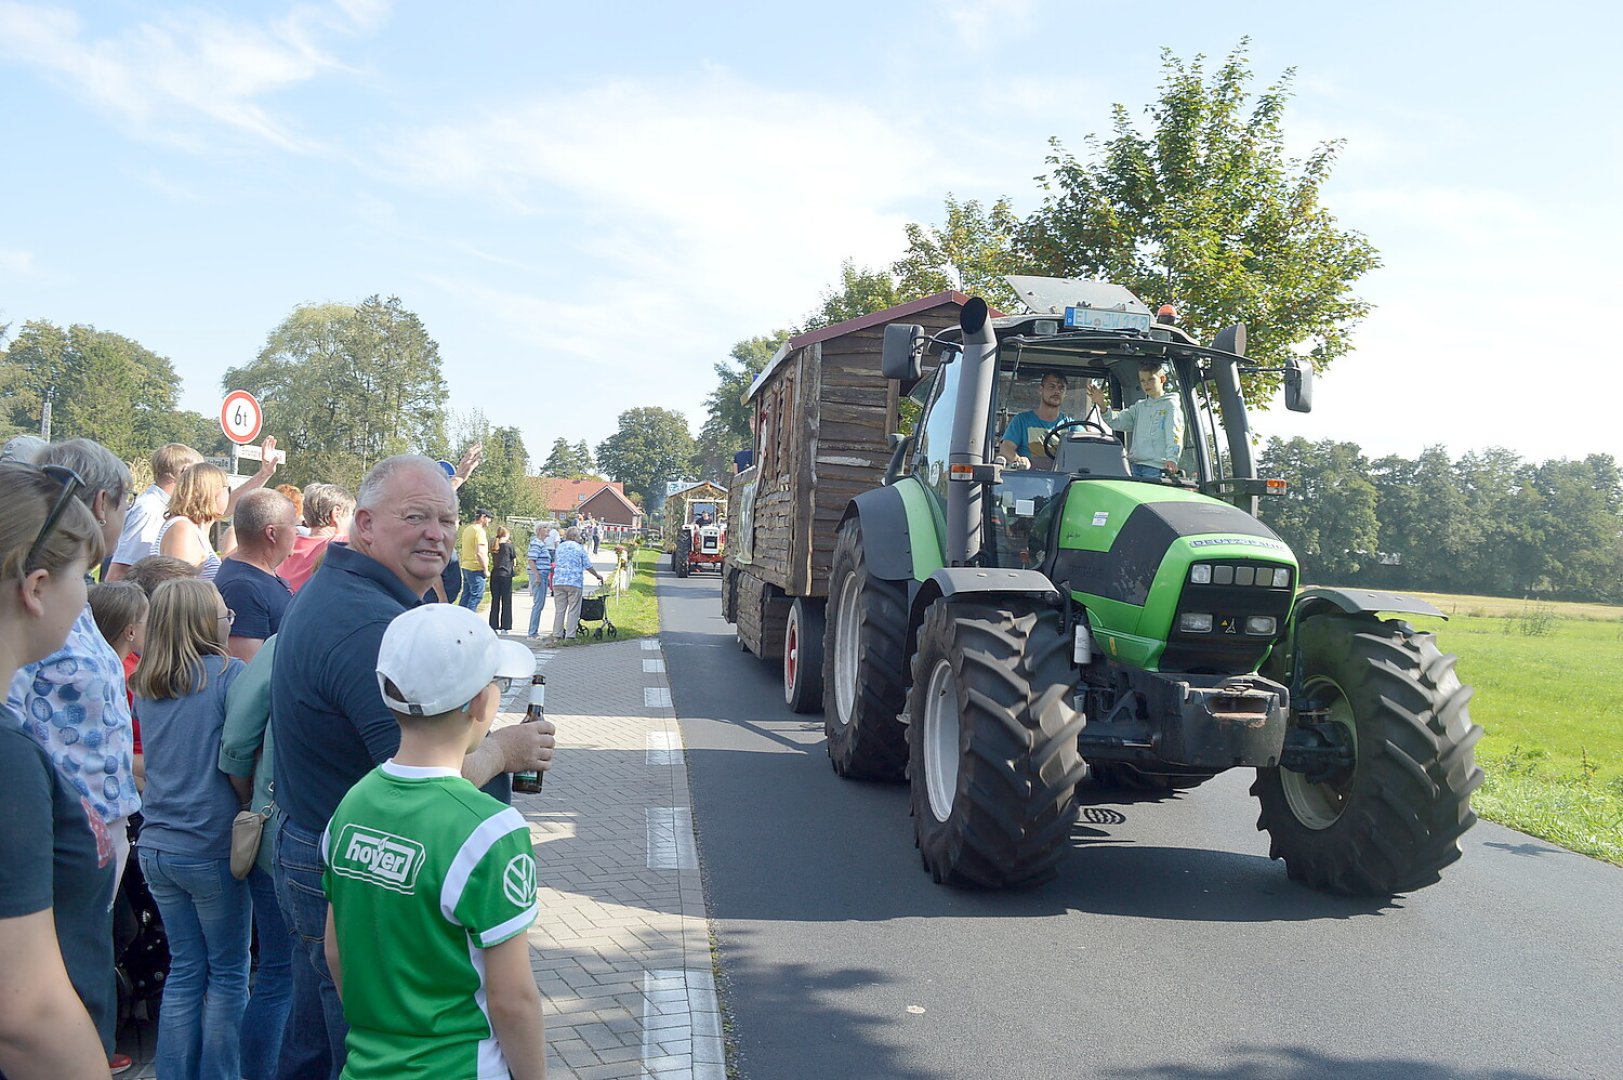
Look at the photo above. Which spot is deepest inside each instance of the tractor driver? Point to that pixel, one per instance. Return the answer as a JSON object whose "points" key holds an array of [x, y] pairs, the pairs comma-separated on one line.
{"points": [[1155, 420], [1022, 445]]}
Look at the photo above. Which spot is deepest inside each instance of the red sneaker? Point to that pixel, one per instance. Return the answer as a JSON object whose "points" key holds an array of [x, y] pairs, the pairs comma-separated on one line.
{"points": [[120, 1063]]}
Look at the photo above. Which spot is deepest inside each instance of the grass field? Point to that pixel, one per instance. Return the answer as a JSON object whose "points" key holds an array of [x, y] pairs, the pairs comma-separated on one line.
{"points": [[1548, 679]]}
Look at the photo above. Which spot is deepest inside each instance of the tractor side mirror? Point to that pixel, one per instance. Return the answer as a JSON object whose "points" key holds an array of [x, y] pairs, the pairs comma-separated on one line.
{"points": [[1298, 386], [903, 356], [1231, 339]]}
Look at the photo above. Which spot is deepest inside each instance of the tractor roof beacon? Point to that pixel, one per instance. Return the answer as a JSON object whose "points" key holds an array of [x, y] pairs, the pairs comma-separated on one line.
{"points": [[1119, 605]]}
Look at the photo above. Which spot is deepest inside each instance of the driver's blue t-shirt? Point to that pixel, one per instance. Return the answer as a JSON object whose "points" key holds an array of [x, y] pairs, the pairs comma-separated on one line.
{"points": [[1026, 432]]}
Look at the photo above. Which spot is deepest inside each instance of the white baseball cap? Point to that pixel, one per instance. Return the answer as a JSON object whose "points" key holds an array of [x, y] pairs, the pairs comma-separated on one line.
{"points": [[439, 656]]}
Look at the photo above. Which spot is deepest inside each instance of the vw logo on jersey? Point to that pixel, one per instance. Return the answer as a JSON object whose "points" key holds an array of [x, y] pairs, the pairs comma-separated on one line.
{"points": [[518, 880]]}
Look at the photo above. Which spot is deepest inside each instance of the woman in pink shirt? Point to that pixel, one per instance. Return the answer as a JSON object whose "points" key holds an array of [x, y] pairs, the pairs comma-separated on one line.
{"points": [[328, 509]]}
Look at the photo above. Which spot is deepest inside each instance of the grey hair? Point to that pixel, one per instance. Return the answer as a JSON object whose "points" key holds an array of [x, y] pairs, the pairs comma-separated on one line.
{"points": [[98, 466], [325, 504], [258, 510], [572, 533], [371, 493], [23, 449]]}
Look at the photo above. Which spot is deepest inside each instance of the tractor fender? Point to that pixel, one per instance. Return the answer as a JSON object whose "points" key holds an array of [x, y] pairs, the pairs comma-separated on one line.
{"points": [[895, 520], [1319, 600], [957, 581]]}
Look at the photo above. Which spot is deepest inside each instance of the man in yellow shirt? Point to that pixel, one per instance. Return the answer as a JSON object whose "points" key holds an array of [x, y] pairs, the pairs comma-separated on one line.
{"points": [[474, 552]]}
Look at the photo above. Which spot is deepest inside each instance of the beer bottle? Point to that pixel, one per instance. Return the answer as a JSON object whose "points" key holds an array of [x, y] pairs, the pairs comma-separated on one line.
{"points": [[529, 781]]}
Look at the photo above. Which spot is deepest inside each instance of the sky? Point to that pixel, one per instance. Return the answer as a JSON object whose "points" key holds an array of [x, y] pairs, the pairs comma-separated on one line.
{"points": [[589, 204]]}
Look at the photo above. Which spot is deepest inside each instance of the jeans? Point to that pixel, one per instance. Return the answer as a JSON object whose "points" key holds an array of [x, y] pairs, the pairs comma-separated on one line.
{"points": [[313, 1040], [205, 912], [538, 599], [473, 589], [1151, 472], [566, 610], [501, 602], [266, 1016]]}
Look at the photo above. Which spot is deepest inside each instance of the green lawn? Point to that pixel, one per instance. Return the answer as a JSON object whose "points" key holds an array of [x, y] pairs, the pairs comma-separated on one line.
{"points": [[636, 612], [1547, 678]]}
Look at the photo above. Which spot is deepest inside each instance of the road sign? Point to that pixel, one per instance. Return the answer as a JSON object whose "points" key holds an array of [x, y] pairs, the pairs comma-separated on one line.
{"points": [[241, 417]]}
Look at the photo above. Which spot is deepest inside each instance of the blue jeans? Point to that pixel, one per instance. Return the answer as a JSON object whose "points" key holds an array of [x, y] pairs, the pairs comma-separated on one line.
{"points": [[1151, 472], [473, 589], [313, 1040], [206, 915], [266, 1015], [538, 599]]}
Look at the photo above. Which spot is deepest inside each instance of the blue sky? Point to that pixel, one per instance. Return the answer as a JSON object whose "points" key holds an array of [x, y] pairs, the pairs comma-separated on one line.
{"points": [[589, 203]]}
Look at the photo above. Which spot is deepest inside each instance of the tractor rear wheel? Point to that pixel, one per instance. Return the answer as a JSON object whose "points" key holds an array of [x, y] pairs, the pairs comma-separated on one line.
{"points": [[1393, 820], [803, 656], [993, 738], [865, 665]]}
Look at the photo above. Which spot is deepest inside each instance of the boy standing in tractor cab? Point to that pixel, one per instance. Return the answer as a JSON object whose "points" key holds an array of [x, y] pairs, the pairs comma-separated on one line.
{"points": [[1022, 445], [1156, 421], [431, 881]]}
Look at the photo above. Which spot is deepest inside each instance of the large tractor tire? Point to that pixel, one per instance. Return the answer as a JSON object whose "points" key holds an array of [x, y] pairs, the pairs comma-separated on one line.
{"points": [[729, 595], [994, 743], [1394, 820], [1125, 776], [684, 548], [864, 665], [803, 656]]}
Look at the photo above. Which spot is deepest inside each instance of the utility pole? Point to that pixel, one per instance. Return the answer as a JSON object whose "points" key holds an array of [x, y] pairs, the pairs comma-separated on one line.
{"points": [[45, 413]]}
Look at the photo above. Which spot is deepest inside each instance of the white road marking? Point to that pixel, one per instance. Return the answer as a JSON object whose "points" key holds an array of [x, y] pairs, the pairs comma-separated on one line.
{"points": [[664, 748], [670, 839], [679, 1007], [656, 697], [650, 644]]}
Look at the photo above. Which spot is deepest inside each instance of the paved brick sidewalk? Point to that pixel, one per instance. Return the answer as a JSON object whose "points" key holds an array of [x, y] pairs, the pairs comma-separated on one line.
{"points": [[622, 952]]}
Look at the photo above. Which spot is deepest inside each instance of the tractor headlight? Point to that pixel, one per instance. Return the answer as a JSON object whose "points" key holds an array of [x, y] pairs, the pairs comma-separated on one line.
{"points": [[1282, 578], [1245, 575], [1191, 622], [1222, 575], [1261, 625], [1200, 574]]}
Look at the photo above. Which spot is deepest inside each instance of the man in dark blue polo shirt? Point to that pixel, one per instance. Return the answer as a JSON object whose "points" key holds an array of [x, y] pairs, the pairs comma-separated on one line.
{"points": [[332, 727], [266, 526]]}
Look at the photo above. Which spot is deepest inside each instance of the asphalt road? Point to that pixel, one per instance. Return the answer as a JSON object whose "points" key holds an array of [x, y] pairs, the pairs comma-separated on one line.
{"points": [[1169, 947]]}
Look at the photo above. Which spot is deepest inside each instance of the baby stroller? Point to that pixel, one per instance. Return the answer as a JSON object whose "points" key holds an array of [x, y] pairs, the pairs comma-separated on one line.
{"points": [[595, 608]]}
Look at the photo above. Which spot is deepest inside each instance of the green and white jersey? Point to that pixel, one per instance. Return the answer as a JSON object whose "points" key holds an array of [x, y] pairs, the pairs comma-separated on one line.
{"points": [[424, 871]]}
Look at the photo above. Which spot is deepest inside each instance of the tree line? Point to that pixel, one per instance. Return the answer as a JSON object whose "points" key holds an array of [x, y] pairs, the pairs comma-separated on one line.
{"points": [[1487, 522]]}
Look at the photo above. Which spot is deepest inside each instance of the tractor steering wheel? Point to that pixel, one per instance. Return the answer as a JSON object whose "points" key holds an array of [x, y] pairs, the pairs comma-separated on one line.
{"points": [[1051, 440]]}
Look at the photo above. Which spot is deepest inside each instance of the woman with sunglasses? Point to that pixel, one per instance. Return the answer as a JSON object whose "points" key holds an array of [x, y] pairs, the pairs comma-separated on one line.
{"points": [[56, 860], [72, 702]]}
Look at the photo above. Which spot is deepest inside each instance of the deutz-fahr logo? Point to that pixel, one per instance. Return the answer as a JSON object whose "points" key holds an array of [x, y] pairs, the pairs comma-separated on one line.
{"points": [[378, 857]]}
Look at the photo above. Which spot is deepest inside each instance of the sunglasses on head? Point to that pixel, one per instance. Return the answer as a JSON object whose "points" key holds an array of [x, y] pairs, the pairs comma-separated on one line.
{"points": [[71, 483]]}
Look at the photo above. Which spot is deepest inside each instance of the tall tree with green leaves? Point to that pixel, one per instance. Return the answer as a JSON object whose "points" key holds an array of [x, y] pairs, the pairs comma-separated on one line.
{"points": [[105, 387], [499, 484], [860, 292], [651, 446], [726, 428], [1327, 515], [569, 461], [970, 251], [1207, 210], [345, 386]]}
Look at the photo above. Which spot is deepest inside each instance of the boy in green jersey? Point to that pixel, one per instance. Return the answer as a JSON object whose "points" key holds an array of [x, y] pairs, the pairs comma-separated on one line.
{"points": [[432, 882]]}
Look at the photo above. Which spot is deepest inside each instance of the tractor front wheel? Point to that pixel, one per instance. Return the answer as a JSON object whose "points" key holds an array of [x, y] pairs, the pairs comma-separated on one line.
{"points": [[864, 665], [993, 740], [1393, 820], [680, 561]]}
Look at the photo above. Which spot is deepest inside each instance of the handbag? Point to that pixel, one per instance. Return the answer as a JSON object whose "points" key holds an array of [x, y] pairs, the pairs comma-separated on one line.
{"points": [[246, 829]]}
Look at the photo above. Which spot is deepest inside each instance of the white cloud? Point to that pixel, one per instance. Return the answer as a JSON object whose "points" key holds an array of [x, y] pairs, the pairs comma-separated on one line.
{"points": [[984, 24], [14, 261], [178, 75]]}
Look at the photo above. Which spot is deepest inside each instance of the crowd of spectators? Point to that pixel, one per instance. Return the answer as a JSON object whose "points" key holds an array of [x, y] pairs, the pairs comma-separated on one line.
{"points": [[227, 661]]}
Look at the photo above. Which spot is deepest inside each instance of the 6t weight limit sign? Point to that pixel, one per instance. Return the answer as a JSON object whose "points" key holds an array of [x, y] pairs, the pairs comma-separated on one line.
{"points": [[241, 416]]}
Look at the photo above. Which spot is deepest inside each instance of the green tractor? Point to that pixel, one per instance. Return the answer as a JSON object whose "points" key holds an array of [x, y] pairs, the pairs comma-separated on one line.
{"points": [[999, 622]]}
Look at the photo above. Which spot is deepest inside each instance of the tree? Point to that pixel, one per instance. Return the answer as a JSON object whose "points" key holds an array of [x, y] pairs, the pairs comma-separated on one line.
{"points": [[588, 465], [105, 387], [1328, 513], [726, 428], [970, 252], [344, 387], [500, 485], [568, 462], [652, 445], [1207, 211], [861, 292]]}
